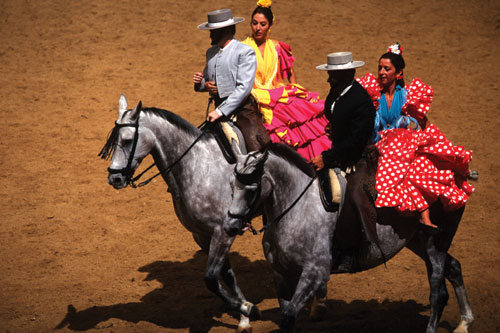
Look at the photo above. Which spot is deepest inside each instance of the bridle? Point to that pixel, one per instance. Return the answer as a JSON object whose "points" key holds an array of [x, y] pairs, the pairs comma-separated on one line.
{"points": [[128, 171], [253, 182]]}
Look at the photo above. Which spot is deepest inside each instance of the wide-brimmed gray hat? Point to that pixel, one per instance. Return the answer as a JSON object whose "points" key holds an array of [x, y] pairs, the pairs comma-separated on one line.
{"points": [[339, 61], [219, 19]]}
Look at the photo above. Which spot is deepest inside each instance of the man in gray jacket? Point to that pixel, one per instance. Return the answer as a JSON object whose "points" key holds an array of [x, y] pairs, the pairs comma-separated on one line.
{"points": [[229, 75]]}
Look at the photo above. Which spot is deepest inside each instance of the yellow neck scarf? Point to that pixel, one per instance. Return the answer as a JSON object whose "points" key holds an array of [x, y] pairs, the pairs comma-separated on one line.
{"points": [[266, 76]]}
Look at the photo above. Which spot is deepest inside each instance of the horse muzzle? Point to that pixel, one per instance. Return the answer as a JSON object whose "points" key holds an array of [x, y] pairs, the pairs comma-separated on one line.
{"points": [[118, 180], [233, 225]]}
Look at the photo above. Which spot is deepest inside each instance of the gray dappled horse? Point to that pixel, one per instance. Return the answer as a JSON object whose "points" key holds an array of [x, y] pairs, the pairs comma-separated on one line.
{"points": [[199, 184], [299, 245]]}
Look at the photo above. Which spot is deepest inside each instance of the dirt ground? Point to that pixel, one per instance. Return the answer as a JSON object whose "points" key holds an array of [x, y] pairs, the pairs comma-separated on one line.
{"points": [[77, 255]]}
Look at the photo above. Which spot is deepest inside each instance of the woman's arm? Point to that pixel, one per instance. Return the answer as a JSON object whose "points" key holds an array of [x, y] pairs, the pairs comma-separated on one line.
{"points": [[291, 76]]}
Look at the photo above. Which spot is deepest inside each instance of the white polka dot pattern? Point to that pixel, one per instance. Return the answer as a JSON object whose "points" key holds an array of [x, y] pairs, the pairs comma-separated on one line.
{"points": [[417, 168]]}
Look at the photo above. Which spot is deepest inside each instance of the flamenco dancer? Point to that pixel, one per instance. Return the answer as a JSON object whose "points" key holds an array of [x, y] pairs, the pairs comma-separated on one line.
{"points": [[291, 114], [417, 164]]}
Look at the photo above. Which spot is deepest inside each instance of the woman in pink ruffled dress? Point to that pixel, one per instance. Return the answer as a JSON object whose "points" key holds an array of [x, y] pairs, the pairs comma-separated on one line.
{"points": [[291, 114], [417, 164]]}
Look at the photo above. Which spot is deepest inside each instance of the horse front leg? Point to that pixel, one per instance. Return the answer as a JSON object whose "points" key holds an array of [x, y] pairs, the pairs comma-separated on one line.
{"points": [[318, 305], [218, 266], [284, 290], [453, 272], [311, 280]]}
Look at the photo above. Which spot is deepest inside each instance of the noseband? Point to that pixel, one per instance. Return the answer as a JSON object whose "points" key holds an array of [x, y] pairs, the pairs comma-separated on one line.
{"points": [[128, 171]]}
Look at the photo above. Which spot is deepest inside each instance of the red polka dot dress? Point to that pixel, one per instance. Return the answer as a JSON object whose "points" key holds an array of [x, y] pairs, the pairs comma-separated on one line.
{"points": [[418, 167]]}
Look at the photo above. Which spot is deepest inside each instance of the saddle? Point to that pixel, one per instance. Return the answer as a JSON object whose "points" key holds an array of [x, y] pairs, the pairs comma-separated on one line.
{"points": [[225, 132], [332, 187]]}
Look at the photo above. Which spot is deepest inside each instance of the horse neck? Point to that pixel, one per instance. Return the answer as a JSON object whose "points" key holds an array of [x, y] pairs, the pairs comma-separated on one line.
{"points": [[287, 181], [171, 142]]}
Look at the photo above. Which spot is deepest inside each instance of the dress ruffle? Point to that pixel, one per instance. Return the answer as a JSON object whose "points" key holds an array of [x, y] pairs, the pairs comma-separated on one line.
{"points": [[285, 59], [418, 167], [418, 100], [372, 86], [292, 114]]}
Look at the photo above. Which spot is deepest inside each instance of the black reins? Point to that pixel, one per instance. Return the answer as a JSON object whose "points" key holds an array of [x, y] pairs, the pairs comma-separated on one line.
{"points": [[168, 168], [280, 216], [128, 171]]}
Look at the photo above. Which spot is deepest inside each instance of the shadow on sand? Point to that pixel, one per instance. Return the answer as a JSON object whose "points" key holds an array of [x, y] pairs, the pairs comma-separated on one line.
{"points": [[184, 303]]}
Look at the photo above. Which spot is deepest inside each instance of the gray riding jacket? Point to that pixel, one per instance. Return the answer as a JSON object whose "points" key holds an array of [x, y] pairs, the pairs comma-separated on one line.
{"points": [[233, 70]]}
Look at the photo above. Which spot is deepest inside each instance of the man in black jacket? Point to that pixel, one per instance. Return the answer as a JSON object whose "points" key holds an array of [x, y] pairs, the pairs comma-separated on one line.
{"points": [[351, 114]]}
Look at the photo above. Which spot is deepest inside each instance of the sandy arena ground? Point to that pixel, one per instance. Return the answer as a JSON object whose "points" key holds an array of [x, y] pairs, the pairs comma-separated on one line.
{"points": [[77, 255]]}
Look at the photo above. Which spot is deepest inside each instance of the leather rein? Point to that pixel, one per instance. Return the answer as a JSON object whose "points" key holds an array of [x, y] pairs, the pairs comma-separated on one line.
{"points": [[128, 171], [254, 179]]}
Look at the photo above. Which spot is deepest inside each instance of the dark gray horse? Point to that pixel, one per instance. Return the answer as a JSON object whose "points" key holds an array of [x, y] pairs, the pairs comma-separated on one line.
{"points": [[199, 184], [299, 245]]}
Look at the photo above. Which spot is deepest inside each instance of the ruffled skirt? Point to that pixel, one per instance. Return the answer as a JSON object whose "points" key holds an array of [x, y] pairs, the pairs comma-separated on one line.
{"points": [[416, 168], [294, 116]]}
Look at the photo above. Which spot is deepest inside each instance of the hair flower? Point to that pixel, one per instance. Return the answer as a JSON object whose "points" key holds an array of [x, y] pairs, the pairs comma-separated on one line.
{"points": [[396, 49], [264, 3]]}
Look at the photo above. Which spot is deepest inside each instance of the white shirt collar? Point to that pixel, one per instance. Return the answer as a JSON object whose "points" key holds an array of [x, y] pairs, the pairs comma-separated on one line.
{"points": [[221, 49], [341, 94]]}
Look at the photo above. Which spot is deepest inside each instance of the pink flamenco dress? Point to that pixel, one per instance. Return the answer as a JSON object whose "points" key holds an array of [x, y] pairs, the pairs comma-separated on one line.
{"points": [[416, 166], [291, 114]]}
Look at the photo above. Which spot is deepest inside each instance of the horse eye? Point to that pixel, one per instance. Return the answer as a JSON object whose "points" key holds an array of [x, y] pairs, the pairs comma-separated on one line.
{"points": [[127, 142]]}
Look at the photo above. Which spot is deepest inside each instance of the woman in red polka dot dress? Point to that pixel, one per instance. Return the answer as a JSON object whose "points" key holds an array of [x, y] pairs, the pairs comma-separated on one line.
{"points": [[417, 164]]}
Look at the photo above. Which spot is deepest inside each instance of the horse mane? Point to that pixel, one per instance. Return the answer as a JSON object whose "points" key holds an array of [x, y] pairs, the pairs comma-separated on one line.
{"points": [[174, 119], [294, 158]]}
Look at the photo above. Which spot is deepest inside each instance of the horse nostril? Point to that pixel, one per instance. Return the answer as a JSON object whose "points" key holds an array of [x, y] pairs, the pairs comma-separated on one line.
{"points": [[115, 180], [231, 229]]}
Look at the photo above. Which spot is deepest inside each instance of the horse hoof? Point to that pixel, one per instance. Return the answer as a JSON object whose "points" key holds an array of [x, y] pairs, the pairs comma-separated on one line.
{"points": [[250, 310], [463, 327], [473, 175], [318, 312], [255, 313], [244, 329]]}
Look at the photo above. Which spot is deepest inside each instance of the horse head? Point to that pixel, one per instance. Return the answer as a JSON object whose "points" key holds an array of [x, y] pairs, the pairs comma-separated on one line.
{"points": [[126, 145], [247, 191]]}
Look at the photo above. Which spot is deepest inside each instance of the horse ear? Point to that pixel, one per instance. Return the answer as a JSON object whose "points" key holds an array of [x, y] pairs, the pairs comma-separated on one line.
{"points": [[122, 106], [261, 157], [135, 112], [264, 157]]}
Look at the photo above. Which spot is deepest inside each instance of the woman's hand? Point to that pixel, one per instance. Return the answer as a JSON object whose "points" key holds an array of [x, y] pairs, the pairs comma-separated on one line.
{"points": [[291, 76], [328, 129]]}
